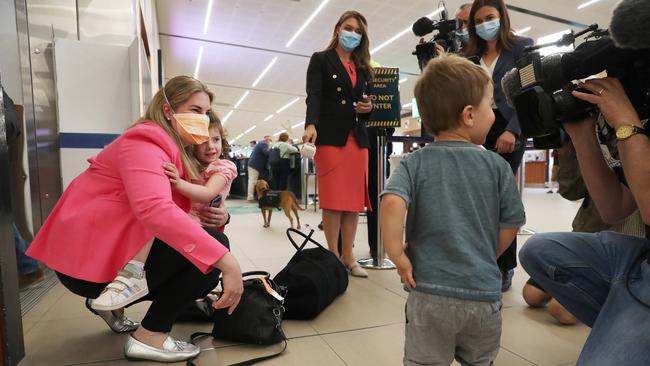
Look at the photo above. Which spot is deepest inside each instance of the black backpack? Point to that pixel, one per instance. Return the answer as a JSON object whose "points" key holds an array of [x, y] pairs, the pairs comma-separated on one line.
{"points": [[274, 157], [313, 278]]}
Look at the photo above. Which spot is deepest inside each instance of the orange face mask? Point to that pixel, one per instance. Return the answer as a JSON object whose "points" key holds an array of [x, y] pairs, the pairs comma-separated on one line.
{"points": [[192, 128]]}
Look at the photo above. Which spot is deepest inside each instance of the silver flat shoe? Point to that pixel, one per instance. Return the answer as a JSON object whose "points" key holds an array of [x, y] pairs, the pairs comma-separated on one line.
{"points": [[172, 351], [117, 324]]}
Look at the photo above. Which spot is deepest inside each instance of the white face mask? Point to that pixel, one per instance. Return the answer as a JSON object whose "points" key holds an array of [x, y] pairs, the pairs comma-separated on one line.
{"points": [[192, 128]]}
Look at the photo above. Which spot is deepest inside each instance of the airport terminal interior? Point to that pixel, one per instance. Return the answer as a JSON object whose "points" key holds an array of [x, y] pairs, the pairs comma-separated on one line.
{"points": [[82, 71]]}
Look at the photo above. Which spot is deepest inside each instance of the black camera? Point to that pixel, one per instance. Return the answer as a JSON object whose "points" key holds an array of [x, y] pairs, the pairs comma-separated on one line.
{"points": [[446, 37], [540, 87]]}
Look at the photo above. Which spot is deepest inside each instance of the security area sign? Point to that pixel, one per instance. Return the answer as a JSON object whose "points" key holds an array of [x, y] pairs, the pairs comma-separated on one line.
{"points": [[384, 94]]}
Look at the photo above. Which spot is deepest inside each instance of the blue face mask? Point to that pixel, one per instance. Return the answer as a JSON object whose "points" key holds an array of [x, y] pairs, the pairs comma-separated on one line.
{"points": [[463, 35], [349, 40], [489, 30]]}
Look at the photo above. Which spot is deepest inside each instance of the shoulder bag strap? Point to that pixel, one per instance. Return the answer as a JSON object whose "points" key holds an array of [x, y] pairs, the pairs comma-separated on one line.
{"points": [[250, 362]]}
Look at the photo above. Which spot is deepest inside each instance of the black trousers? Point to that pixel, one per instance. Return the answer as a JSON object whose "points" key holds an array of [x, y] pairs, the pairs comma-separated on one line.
{"points": [[508, 259], [280, 175], [173, 281]]}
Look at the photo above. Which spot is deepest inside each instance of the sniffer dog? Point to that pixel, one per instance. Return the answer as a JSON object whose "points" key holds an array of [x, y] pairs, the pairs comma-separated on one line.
{"points": [[270, 200]]}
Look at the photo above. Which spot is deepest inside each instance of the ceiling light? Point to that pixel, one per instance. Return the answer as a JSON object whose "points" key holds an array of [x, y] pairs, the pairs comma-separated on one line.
{"points": [[403, 80], [311, 17], [241, 99], [584, 5], [288, 105], [408, 29], [207, 17], [236, 138], [298, 124], [198, 62], [524, 30], [269, 117], [250, 129], [407, 105], [278, 133], [225, 119], [265, 71]]}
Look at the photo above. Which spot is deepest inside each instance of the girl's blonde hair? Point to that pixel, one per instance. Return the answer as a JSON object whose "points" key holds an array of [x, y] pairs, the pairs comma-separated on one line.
{"points": [[178, 90], [361, 54]]}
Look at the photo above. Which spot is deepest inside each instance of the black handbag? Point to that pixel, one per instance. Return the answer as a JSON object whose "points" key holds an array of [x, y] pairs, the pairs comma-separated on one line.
{"points": [[313, 278], [256, 320]]}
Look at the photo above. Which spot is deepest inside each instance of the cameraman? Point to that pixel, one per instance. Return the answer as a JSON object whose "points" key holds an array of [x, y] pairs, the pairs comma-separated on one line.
{"points": [[604, 278]]}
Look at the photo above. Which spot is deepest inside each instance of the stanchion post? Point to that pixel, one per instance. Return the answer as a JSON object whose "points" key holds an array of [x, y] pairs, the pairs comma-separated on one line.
{"points": [[380, 261]]}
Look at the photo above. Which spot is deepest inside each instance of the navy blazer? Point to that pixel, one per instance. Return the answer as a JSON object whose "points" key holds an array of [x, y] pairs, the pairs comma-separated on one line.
{"points": [[331, 98], [506, 63]]}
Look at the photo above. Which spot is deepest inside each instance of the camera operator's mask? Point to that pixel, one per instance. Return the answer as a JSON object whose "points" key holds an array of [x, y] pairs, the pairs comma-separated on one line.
{"points": [[463, 35], [349, 40], [489, 31]]}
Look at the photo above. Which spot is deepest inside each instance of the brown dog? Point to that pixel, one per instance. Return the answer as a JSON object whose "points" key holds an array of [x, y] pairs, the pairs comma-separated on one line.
{"points": [[287, 201]]}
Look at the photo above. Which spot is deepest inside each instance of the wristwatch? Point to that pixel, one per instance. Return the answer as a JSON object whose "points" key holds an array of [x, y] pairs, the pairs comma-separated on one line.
{"points": [[625, 132]]}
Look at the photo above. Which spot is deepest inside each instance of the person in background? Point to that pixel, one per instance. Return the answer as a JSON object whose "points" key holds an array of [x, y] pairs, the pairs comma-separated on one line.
{"points": [[258, 165], [463, 17], [123, 200], [337, 109], [492, 40], [284, 169], [30, 272]]}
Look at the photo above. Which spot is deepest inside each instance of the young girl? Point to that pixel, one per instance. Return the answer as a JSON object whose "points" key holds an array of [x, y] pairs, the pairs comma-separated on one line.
{"points": [[216, 176]]}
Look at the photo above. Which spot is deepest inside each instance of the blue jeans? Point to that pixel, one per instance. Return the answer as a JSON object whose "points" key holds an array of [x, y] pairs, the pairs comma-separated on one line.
{"points": [[587, 274], [25, 264]]}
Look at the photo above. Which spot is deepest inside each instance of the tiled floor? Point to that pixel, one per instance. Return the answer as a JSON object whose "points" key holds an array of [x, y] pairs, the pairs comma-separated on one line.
{"points": [[365, 326]]}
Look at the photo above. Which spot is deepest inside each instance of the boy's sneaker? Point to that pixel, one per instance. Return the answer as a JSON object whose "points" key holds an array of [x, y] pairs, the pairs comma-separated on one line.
{"points": [[125, 289]]}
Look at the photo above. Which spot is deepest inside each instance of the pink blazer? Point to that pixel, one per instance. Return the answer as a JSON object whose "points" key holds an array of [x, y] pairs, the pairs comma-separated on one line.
{"points": [[116, 206]]}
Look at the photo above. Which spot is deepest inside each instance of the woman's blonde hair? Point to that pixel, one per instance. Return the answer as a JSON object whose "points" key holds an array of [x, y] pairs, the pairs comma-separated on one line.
{"points": [[361, 54], [178, 90]]}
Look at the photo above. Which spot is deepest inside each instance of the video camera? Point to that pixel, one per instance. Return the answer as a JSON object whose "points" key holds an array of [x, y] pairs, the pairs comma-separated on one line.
{"points": [[539, 88], [446, 37]]}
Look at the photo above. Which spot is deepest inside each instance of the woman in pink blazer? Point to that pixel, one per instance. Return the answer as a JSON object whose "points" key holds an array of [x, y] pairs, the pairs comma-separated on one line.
{"points": [[122, 201]]}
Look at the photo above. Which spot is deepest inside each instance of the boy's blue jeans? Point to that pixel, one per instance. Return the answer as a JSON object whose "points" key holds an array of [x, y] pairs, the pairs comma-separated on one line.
{"points": [[587, 274], [25, 264]]}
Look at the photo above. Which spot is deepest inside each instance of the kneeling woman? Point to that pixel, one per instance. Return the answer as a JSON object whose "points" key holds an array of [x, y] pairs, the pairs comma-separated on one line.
{"points": [[114, 208]]}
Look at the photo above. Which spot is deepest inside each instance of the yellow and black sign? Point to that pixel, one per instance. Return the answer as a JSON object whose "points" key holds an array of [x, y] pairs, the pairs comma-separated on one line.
{"points": [[384, 94]]}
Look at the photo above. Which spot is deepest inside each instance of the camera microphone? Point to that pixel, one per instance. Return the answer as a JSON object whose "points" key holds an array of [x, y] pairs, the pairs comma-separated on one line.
{"points": [[511, 86], [423, 26], [630, 24]]}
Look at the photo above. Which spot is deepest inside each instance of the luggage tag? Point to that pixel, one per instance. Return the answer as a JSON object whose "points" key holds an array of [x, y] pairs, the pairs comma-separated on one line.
{"points": [[270, 290]]}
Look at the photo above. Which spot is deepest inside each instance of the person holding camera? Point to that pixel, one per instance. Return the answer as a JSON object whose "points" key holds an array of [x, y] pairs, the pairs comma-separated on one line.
{"points": [[337, 109], [492, 41], [604, 278]]}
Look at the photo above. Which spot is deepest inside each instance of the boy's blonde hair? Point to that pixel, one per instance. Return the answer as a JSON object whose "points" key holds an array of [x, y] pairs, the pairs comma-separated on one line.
{"points": [[448, 84]]}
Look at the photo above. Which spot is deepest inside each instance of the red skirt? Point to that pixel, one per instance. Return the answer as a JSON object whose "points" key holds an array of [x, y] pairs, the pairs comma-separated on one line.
{"points": [[342, 173]]}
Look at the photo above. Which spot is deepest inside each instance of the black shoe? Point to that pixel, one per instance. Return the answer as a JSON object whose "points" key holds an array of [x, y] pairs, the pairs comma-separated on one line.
{"points": [[506, 280]]}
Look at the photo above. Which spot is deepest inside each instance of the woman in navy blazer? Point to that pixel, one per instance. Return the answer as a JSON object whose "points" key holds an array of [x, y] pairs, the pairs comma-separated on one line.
{"points": [[492, 41], [337, 111]]}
